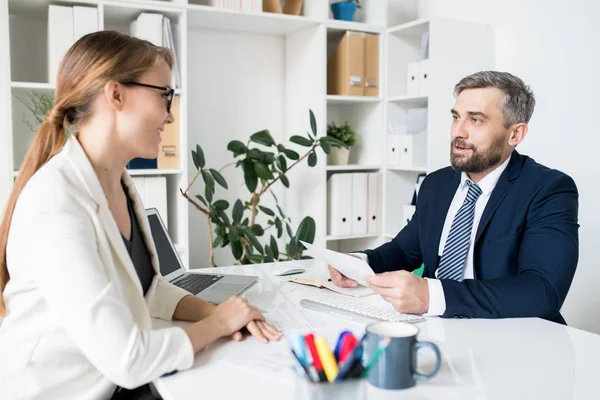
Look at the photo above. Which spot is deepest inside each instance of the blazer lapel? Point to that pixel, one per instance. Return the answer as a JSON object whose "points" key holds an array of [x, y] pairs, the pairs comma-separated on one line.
{"points": [[440, 209], [500, 191], [88, 177]]}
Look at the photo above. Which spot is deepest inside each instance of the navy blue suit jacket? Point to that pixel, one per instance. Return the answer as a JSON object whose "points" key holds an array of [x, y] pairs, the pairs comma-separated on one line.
{"points": [[526, 245]]}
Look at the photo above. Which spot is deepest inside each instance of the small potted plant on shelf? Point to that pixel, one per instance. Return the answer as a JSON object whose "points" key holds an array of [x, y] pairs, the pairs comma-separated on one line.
{"points": [[347, 135], [344, 10]]}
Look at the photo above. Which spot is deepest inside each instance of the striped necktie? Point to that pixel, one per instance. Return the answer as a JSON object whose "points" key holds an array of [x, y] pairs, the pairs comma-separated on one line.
{"points": [[457, 244]]}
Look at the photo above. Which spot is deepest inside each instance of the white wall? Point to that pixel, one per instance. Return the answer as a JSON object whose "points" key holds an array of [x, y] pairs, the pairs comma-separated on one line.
{"points": [[225, 105], [554, 46]]}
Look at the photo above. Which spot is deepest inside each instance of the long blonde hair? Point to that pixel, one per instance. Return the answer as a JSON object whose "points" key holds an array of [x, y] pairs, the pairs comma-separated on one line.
{"points": [[89, 64]]}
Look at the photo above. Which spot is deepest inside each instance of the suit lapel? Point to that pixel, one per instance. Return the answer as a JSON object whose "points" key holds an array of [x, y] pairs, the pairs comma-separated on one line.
{"points": [[500, 191], [90, 181], [440, 208]]}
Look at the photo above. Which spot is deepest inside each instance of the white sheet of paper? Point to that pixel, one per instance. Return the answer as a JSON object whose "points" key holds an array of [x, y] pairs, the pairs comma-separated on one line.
{"points": [[352, 267]]}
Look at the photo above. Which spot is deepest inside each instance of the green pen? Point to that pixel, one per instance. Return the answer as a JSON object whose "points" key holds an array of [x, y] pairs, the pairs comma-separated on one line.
{"points": [[382, 346]]}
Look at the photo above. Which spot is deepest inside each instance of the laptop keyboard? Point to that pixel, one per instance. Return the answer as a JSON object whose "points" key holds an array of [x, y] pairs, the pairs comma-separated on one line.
{"points": [[195, 283]]}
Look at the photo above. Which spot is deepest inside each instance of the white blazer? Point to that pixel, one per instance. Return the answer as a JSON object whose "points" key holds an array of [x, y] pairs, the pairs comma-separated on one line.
{"points": [[77, 322]]}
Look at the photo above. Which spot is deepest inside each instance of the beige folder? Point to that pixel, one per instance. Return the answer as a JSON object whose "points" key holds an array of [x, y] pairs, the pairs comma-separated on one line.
{"points": [[372, 65], [346, 67], [170, 148]]}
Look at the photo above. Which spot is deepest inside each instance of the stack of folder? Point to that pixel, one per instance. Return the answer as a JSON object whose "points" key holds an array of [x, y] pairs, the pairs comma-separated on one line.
{"points": [[353, 69], [360, 215]]}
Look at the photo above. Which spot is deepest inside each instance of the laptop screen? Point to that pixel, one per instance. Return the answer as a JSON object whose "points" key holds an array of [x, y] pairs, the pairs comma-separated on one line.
{"points": [[167, 258]]}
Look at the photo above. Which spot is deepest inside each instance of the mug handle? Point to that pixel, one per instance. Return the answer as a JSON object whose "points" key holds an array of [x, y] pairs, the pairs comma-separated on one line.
{"points": [[417, 376]]}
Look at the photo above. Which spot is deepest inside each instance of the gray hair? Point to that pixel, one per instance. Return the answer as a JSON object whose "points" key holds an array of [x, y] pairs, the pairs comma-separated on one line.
{"points": [[518, 103]]}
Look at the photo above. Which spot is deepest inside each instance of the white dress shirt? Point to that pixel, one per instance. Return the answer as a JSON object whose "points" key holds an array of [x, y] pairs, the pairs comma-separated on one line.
{"points": [[437, 299]]}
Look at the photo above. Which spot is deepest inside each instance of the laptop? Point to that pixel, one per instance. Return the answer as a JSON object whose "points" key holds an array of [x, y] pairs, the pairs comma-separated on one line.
{"points": [[214, 288]]}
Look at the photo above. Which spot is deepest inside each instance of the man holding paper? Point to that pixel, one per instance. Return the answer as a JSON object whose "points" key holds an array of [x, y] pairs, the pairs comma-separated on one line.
{"points": [[497, 232]]}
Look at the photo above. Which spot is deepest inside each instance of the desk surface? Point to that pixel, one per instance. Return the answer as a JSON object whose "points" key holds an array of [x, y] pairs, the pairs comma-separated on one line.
{"points": [[482, 359]]}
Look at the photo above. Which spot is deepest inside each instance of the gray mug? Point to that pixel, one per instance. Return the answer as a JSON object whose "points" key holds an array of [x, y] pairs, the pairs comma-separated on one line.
{"points": [[396, 367]]}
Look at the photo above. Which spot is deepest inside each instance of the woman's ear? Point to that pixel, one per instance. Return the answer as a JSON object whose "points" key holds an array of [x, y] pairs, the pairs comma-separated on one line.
{"points": [[114, 94]]}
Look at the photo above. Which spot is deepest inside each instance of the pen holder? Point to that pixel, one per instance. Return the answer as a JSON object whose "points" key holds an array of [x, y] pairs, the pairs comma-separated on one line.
{"points": [[352, 389]]}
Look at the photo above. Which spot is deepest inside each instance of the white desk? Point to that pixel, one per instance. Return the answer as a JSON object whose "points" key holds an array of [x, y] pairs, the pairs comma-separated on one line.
{"points": [[482, 359]]}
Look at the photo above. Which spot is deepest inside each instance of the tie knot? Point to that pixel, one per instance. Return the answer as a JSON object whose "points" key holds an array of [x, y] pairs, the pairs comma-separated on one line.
{"points": [[474, 191]]}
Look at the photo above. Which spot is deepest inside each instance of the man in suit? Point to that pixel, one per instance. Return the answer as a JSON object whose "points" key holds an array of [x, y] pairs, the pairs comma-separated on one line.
{"points": [[497, 232]]}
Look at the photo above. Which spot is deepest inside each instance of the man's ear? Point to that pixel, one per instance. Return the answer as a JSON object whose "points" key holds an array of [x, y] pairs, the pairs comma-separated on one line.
{"points": [[114, 94], [517, 134]]}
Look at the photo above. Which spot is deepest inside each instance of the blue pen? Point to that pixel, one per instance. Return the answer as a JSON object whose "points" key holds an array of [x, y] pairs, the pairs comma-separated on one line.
{"points": [[338, 346], [299, 350], [351, 361]]}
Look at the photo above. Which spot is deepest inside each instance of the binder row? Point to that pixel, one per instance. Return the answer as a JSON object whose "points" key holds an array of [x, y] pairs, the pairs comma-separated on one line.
{"points": [[353, 70], [66, 25], [353, 203]]}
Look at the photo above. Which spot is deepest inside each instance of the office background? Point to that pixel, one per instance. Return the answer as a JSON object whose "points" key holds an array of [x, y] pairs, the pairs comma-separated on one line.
{"points": [[553, 45]]}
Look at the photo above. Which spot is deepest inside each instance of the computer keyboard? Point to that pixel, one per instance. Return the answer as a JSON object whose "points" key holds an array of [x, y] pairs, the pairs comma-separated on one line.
{"points": [[353, 308], [195, 283]]}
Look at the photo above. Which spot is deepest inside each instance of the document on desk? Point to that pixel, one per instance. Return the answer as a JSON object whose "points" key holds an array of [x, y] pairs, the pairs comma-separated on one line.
{"points": [[352, 267]]}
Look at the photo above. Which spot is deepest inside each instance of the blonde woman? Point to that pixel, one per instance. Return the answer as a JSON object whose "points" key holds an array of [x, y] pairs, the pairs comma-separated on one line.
{"points": [[79, 279]]}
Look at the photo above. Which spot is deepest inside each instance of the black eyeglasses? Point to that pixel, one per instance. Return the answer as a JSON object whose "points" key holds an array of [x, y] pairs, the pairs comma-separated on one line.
{"points": [[169, 92]]}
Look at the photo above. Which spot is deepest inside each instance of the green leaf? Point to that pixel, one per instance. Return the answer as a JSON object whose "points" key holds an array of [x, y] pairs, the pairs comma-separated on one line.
{"points": [[291, 154], [326, 147], [306, 230], [294, 248], [237, 249], [219, 178], [285, 181], [238, 211], [289, 230], [195, 159], [257, 230], [253, 240], [267, 211], [214, 216], [257, 154], [225, 242], [302, 141], [250, 175], [282, 163], [279, 227], [313, 123], [332, 141], [208, 194], [312, 159], [217, 242], [220, 230], [200, 156], [270, 257], [262, 171], [280, 211], [275, 248], [202, 200], [224, 217], [269, 158], [237, 147], [221, 204], [281, 148], [233, 235], [256, 259], [209, 181], [246, 221], [263, 137]]}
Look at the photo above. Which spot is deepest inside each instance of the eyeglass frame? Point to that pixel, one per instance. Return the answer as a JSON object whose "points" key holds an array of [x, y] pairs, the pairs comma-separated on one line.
{"points": [[170, 92]]}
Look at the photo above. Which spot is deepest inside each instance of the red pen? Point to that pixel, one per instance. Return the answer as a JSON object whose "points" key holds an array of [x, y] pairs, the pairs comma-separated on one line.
{"points": [[347, 346], [310, 343]]}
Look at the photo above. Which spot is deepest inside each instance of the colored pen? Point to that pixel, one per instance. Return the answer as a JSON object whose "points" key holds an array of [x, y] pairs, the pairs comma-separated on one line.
{"points": [[351, 361], [382, 346], [327, 358], [303, 366], [338, 346], [310, 343], [348, 345]]}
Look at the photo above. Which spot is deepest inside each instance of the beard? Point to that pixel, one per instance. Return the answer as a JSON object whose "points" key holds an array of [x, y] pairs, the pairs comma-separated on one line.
{"points": [[480, 160]]}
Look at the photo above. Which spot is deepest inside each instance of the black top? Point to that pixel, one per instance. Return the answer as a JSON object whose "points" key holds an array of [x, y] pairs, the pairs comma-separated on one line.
{"points": [[136, 247]]}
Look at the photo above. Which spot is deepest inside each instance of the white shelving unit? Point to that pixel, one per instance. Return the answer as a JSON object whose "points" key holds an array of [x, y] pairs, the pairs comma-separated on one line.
{"points": [[243, 72]]}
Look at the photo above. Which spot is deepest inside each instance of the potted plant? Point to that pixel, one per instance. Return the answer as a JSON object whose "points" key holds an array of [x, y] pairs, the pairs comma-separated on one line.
{"points": [[344, 10], [345, 134]]}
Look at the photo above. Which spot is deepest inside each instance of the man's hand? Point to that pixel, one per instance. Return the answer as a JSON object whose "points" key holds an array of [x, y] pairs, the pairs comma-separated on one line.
{"points": [[407, 292], [339, 279]]}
